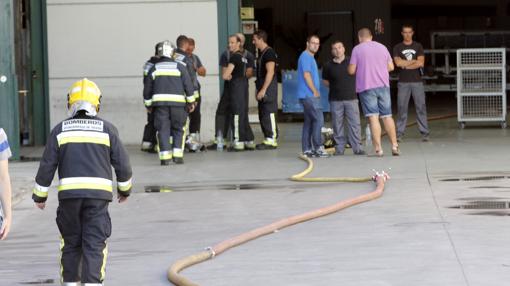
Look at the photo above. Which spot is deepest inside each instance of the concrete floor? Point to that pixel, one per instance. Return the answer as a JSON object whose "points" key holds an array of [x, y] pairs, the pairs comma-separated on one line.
{"points": [[425, 230]]}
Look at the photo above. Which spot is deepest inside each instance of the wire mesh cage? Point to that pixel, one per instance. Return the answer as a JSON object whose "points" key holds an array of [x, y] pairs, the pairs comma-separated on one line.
{"points": [[481, 85]]}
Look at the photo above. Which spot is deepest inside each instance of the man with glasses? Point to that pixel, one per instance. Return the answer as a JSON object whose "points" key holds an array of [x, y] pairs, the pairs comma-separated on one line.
{"points": [[308, 94]]}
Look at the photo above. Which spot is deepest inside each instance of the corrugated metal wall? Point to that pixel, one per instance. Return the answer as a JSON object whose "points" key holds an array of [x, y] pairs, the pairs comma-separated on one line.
{"points": [[290, 24]]}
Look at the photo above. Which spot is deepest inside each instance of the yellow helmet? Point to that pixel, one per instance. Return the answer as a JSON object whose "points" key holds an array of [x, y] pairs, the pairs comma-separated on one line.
{"points": [[84, 90]]}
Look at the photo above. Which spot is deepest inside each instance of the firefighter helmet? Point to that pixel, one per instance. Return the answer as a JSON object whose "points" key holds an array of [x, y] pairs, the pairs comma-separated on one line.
{"points": [[166, 49], [84, 91]]}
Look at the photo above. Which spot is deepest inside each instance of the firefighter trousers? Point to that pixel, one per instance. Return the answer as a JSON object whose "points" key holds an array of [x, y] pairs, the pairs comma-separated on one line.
{"points": [[84, 226], [239, 102], [195, 117], [170, 120], [149, 131], [268, 108], [223, 117]]}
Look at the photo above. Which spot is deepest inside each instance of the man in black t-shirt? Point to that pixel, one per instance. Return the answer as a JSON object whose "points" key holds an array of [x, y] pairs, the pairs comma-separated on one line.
{"points": [[266, 90], [236, 75], [409, 57], [343, 101], [223, 118]]}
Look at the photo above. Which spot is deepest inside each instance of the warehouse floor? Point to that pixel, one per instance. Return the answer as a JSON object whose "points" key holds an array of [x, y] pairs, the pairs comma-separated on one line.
{"points": [[443, 219]]}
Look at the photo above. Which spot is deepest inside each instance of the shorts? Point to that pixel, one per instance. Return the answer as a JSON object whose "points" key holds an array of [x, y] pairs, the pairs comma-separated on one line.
{"points": [[376, 101]]}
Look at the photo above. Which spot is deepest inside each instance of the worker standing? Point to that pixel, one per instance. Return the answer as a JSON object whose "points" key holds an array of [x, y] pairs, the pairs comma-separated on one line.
{"points": [[83, 148], [169, 94], [342, 100], [371, 63], [149, 142], [410, 58], [193, 140], [308, 92], [266, 90], [235, 73], [224, 118]]}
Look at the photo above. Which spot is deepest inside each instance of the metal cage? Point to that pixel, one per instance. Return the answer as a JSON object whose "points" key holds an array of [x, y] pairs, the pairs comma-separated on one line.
{"points": [[481, 85]]}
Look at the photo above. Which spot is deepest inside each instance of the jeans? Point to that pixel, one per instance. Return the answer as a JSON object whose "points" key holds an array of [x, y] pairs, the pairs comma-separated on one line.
{"points": [[313, 120], [376, 101]]}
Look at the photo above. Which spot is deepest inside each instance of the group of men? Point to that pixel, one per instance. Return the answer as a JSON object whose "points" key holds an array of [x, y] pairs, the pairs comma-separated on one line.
{"points": [[237, 66], [365, 75], [172, 98]]}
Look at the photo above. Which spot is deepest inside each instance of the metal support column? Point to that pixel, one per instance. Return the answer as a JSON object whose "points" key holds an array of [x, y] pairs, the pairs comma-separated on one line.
{"points": [[9, 120]]}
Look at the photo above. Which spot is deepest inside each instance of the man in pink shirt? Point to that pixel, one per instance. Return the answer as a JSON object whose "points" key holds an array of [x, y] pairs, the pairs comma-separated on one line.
{"points": [[371, 62]]}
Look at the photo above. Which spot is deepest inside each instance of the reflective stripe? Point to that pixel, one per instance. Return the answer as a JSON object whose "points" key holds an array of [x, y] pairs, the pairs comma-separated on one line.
{"points": [[196, 94], [91, 284], [83, 137], [85, 183], [165, 155], [124, 186], [71, 284], [103, 266], [168, 97], [236, 127], [62, 243], [40, 191], [179, 153], [190, 99], [273, 125], [147, 102], [165, 72]]}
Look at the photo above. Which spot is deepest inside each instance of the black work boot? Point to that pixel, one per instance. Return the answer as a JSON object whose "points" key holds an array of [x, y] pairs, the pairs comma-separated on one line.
{"points": [[165, 162], [178, 160]]}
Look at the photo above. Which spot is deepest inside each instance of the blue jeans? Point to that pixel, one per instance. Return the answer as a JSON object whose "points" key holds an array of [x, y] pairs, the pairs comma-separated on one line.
{"points": [[313, 120], [376, 101]]}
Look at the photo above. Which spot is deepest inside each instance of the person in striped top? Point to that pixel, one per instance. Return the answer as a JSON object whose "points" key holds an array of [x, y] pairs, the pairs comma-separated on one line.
{"points": [[5, 186]]}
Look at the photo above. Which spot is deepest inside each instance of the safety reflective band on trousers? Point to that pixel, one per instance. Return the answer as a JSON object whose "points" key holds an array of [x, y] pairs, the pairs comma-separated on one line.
{"points": [[83, 137], [94, 183]]}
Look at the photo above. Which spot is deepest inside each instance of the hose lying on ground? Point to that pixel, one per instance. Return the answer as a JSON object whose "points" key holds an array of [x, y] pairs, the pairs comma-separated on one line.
{"points": [[183, 263]]}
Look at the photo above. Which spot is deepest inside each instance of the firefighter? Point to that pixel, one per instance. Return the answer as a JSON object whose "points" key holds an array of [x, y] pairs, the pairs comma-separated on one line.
{"points": [[83, 148], [169, 94], [266, 90], [235, 73], [181, 55], [149, 142], [193, 143]]}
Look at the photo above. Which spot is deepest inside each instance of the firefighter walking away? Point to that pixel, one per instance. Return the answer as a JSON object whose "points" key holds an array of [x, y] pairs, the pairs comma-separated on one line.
{"points": [[83, 148]]}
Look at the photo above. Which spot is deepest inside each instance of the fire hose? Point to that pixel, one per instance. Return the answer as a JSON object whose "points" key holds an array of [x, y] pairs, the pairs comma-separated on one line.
{"points": [[210, 252]]}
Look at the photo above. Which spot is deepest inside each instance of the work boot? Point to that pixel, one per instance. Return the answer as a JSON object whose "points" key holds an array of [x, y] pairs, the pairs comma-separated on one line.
{"points": [[264, 146], [249, 146], [178, 160], [165, 162]]}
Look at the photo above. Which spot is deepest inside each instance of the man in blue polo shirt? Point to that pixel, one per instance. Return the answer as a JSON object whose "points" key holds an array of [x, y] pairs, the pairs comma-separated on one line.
{"points": [[308, 94]]}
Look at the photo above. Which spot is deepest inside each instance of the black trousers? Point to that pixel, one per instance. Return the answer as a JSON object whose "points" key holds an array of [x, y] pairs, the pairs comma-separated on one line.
{"points": [[268, 109], [239, 101], [170, 120], [84, 225], [149, 131], [223, 118], [195, 117]]}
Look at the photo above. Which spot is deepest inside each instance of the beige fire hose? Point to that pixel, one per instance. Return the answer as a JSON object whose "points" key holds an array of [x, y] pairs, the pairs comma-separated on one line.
{"points": [[183, 263]]}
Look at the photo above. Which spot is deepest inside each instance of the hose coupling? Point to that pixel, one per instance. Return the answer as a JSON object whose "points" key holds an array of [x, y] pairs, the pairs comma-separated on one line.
{"points": [[211, 250], [385, 176]]}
